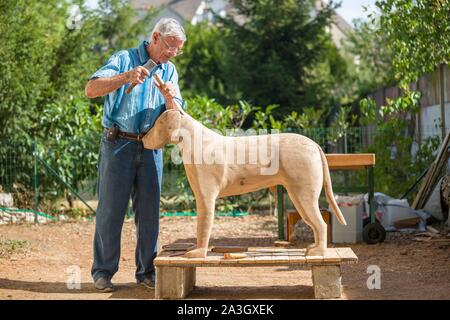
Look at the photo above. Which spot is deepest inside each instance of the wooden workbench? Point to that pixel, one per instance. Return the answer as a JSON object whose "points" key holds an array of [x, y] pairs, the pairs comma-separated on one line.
{"points": [[176, 276]]}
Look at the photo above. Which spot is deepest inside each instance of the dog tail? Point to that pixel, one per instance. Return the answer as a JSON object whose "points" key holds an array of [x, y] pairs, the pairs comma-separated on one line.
{"points": [[329, 189]]}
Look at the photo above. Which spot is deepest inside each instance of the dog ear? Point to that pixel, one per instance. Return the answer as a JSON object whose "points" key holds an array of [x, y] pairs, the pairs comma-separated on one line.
{"points": [[157, 136]]}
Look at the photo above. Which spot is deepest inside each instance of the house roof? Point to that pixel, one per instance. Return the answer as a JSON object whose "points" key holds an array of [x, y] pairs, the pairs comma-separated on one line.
{"points": [[342, 24], [145, 4], [184, 8]]}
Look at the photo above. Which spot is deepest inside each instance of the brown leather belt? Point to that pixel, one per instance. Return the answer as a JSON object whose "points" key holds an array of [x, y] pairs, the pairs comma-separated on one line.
{"points": [[130, 136]]}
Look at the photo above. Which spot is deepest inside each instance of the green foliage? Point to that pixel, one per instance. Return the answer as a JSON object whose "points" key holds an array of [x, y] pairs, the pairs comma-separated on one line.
{"points": [[45, 65], [280, 57], [28, 48], [72, 134], [8, 247], [275, 69], [367, 45], [418, 33], [212, 114], [75, 213], [273, 49], [203, 65], [396, 167], [309, 118], [328, 82]]}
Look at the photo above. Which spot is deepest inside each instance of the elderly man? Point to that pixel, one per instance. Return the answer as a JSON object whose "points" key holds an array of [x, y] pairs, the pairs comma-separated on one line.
{"points": [[126, 169]]}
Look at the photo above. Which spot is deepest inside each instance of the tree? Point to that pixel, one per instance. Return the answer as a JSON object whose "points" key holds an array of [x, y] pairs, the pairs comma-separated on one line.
{"points": [[367, 45], [29, 39], [203, 65], [418, 33], [46, 62], [396, 167], [274, 50]]}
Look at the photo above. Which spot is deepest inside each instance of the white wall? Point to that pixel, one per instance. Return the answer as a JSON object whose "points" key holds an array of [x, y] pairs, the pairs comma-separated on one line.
{"points": [[218, 6], [430, 117]]}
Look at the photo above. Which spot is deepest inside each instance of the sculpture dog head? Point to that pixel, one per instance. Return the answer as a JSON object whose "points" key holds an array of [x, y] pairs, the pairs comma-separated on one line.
{"points": [[165, 130]]}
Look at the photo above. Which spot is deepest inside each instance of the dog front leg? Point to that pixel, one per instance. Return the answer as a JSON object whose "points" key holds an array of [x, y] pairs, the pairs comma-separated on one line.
{"points": [[205, 220]]}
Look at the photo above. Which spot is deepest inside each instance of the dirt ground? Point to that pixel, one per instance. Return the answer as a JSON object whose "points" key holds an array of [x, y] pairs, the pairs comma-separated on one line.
{"points": [[409, 269]]}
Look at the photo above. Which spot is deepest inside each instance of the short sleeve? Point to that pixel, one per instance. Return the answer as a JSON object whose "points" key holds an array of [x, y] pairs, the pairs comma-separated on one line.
{"points": [[112, 67]]}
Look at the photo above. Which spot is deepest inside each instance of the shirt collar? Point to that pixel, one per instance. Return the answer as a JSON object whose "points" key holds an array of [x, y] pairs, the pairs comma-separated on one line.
{"points": [[143, 55]]}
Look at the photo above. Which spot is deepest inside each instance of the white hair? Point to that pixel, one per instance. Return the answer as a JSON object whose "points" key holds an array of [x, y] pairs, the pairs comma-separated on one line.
{"points": [[169, 27]]}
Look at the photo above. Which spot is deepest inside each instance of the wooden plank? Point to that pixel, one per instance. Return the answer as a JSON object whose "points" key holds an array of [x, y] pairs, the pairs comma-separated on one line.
{"points": [[269, 250], [250, 260], [347, 254], [214, 259], [350, 161], [263, 256], [297, 256], [161, 261], [228, 262], [314, 259], [280, 258], [225, 261], [433, 174], [179, 246], [187, 261], [296, 252], [331, 255], [261, 259], [229, 249]]}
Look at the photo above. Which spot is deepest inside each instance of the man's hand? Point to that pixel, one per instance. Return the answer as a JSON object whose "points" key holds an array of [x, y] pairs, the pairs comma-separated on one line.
{"points": [[168, 90], [137, 75]]}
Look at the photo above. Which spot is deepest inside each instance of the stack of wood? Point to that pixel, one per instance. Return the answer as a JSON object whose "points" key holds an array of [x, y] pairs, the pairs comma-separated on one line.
{"points": [[407, 223], [178, 248], [433, 235], [445, 194], [433, 175]]}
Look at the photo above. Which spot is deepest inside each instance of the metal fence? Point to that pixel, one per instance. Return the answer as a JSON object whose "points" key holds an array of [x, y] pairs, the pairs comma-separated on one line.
{"points": [[32, 172]]}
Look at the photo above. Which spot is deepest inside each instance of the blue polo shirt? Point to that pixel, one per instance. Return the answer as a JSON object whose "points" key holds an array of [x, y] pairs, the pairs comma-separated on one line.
{"points": [[135, 112]]}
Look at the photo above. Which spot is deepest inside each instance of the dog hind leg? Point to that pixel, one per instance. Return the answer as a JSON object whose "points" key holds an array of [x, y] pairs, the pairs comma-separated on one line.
{"points": [[310, 213]]}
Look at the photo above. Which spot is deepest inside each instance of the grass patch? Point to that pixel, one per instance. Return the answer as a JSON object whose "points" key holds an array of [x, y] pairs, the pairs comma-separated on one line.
{"points": [[9, 247]]}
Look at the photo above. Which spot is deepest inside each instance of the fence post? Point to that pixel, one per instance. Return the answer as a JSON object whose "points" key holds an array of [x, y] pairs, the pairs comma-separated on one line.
{"points": [[36, 194], [280, 211], [442, 101]]}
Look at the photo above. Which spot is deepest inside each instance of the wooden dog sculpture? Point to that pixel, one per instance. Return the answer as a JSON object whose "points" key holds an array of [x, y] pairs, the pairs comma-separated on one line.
{"points": [[219, 166]]}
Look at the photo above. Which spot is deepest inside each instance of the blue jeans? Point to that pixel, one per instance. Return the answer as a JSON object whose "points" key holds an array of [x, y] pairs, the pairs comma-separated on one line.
{"points": [[127, 169]]}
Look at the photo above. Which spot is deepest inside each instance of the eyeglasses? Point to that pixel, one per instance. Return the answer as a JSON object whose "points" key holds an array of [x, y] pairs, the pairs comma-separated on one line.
{"points": [[176, 50]]}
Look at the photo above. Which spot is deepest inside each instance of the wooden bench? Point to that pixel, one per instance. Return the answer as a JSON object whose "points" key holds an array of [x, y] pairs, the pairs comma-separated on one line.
{"points": [[175, 276], [337, 161]]}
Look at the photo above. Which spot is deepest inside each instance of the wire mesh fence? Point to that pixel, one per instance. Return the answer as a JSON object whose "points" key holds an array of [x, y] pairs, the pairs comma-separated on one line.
{"points": [[57, 178]]}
